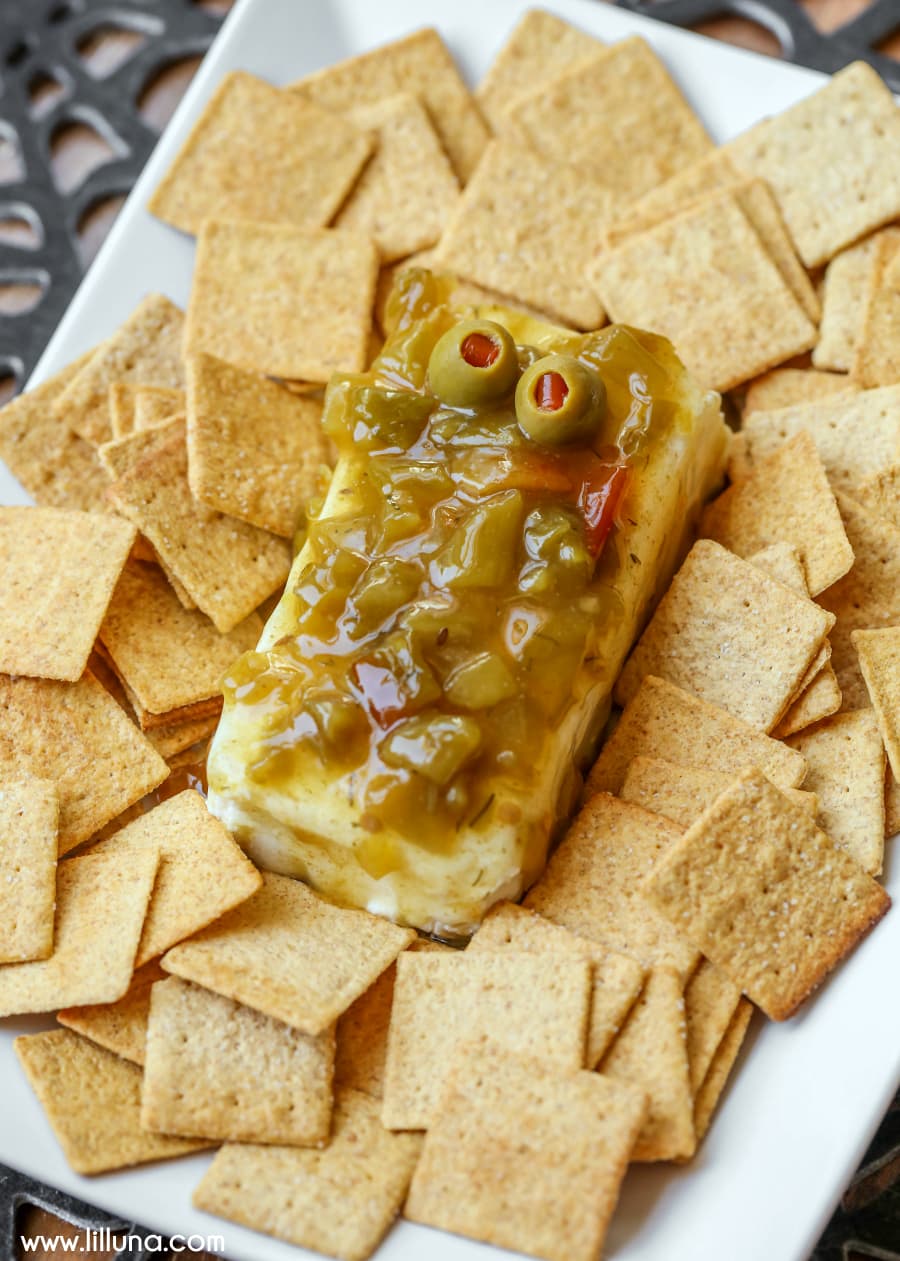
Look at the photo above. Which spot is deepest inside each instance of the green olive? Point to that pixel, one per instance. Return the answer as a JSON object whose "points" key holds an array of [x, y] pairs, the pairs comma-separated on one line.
{"points": [[559, 401], [474, 362]]}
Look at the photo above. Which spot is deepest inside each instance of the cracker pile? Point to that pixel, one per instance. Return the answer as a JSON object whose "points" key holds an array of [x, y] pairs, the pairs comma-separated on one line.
{"points": [[726, 852]]}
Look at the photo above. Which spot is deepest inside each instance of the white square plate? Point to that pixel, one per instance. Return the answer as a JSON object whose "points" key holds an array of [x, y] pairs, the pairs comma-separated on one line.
{"points": [[810, 1093]]}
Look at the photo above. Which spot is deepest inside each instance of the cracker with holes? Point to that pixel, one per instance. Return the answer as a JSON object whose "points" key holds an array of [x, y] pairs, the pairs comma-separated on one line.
{"points": [[92, 1099], [680, 277], [766, 895], [215, 1069], [830, 162], [785, 498], [527, 226], [60, 569], [664, 721], [29, 819], [616, 978], [101, 903], [281, 300], [64, 732], [255, 451], [170, 659], [227, 566], [146, 348], [727, 632], [259, 152], [592, 883], [525, 1158], [290, 954]]}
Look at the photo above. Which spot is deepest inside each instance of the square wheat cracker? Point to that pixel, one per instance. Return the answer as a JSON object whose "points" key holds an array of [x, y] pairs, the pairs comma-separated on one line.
{"points": [[408, 190], [290, 954], [711, 174], [120, 1027], [880, 495], [820, 699], [528, 226], [120, 455], [666, 722], [682, 793], [786, 497], [879, 660], [782, 387], [616, 979], [540, 47], [227, 566], [259, 152], [203, 873], [592, 883], [101, 902], [831, 162], [877, 359], [651, 1054], [280, 300], [846, 771], [537, 1005], [707, 1097], [146, 348], [65, 732], [525, 1159], [214, 1069], [710, 1002], [766, 895], [29, 818], [340, 1200], [59, 571], [731, 634], [868, 598], [844, 287], [618, 116], [168, 657], [421, 64], [154, 406], [55, 466], [255, 451], [680, 277], [92, 1100]]}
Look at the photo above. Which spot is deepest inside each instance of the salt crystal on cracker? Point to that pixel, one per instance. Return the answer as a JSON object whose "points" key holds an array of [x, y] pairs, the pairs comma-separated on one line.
{"points": [[765, 894]]}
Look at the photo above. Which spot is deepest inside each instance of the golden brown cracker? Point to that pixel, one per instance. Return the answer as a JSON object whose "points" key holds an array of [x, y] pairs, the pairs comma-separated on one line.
{"points": [[419, 63], [281, 300], [290, 954], [536, 1005], [120, 1027], [782, 387], [592, 883], [526, 226], [729, 633], [679, 278], [121, 454], [101, 902], [710, 1091], [60, 568], [29, 819], [525, 1159], [203, 873], [786, 497], [217, 1070], [710, 1002], [226, 565], [879, 660], [255, 451], [259, 152], [829, 161], [876, 360], [682, 793], [765, 894], [146, 348], [65, 732], [820, 698], [619, 116], [651, 1053], [664, 721], [616, 979], [844, 288], [880, 494], [404, 197]]}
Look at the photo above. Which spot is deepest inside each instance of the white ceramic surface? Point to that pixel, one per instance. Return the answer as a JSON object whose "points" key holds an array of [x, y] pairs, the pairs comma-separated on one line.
{"points": [[809, 1094]]}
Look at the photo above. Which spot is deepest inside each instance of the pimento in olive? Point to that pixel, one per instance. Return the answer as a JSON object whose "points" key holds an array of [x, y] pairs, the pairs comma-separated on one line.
{"points": [[474, 363], [559, 401]]}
